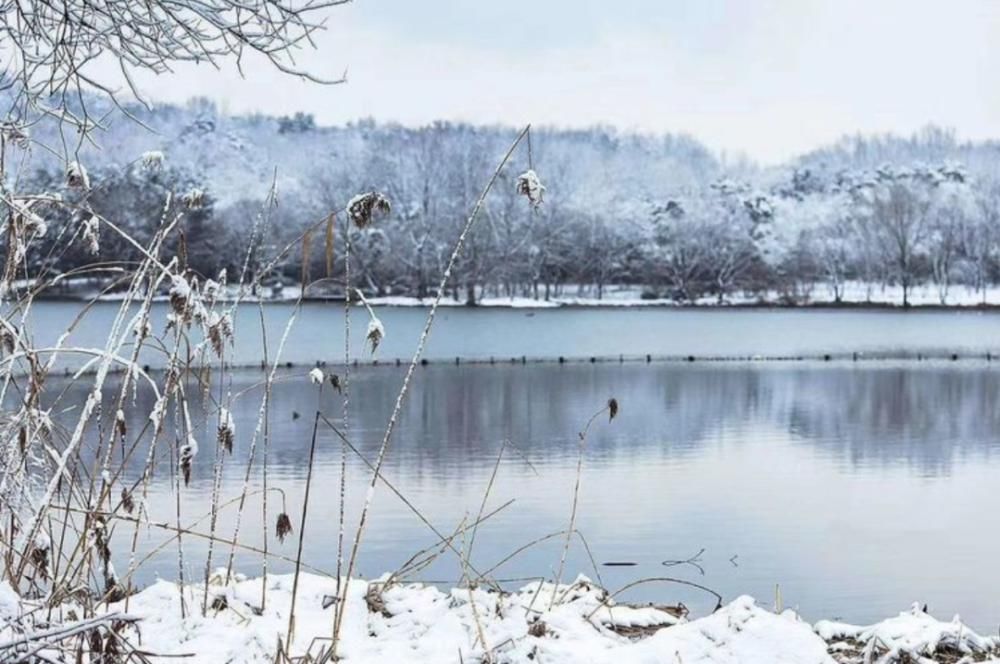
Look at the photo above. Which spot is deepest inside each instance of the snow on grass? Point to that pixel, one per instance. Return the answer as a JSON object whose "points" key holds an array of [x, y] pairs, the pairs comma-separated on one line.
{"points": [[910, 636], [418, 623], [407, 622]]}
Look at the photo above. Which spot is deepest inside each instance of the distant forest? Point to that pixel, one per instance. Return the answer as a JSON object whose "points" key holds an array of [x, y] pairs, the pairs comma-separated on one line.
{"points": [[662, 213]]}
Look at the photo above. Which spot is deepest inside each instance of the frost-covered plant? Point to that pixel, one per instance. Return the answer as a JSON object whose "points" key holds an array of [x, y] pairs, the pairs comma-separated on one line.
{"points": [[186, 457], [193, 199], [16, 134], [76, 176], [121, 430], [90, 232], [220, 330], [283, 526], [152, 160], [227, 430], [365, 209], [530, 186], [375, 333]]}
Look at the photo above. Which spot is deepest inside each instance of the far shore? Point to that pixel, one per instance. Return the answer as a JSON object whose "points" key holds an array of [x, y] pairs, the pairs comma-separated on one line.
{"points": [[616, 301]]}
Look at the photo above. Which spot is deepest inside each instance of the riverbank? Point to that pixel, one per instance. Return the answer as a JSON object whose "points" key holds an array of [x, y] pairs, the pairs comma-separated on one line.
{"points": [[571, 623]]}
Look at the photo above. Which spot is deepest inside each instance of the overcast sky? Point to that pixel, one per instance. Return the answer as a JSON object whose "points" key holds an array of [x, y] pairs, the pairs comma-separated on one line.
{"points": [[766, 78]]}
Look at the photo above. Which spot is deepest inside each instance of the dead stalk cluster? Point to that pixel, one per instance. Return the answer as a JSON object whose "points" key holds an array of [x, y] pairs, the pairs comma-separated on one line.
{"points": [[75, 489]]}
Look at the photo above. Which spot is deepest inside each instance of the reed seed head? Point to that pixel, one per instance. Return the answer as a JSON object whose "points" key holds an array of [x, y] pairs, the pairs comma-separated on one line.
{"points": [[376, 332], [120, 428], [283, 527], [76, 176], [530, 186], [227, 430], [194, 199], [91, 234], [152, 160], [187, 454], [128, 502], [365, 209]]}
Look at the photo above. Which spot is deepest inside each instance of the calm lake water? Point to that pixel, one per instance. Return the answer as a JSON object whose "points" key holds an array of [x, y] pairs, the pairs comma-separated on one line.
{"points": [[482, 333], [858, 487]]}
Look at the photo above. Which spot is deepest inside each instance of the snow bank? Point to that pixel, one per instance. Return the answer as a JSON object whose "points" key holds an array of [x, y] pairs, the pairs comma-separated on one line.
{"points": [[417, 623], [568, 624], [911, 636]]}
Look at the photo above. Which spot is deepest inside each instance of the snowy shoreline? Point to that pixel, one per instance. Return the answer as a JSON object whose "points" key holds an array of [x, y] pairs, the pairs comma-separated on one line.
{"points": [[577, 622], [854, 295], [403, 301]]}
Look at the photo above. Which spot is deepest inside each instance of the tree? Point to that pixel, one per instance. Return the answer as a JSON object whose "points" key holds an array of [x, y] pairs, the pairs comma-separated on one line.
{"points": [[950, 215], [898, 204], [738, 225], [680, 250], [981, 237]]}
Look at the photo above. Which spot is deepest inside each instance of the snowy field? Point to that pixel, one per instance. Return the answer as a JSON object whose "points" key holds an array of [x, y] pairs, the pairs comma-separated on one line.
{"points": [[565, 624]]}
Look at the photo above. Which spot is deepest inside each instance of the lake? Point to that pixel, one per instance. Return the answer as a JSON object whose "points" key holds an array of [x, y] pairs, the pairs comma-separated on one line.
{"points": [[858, 489], [855, 487], [482, 333]]}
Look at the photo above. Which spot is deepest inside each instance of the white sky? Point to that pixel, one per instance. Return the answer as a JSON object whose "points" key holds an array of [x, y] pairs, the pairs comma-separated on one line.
{"points": [[769, 78]]}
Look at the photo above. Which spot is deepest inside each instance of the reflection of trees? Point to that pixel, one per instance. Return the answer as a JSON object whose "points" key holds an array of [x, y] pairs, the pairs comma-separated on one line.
{"points": [[453, 423], [921, 417]]}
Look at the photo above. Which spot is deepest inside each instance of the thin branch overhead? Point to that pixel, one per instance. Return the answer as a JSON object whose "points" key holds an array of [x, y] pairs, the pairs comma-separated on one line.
{"points": [[50, 49]]}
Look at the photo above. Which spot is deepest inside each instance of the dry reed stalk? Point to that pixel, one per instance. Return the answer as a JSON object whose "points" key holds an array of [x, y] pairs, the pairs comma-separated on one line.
{"points": [[224, 440], [345, 389], [262, 418], [182, 428], [328, 244], [189, 531], [289, 637], [266, 402], [423, 558], [115, 339], [612, 409], [305, 276], [486, 496], [406, 501], [655, 579], [467, 581], [390, 427]]}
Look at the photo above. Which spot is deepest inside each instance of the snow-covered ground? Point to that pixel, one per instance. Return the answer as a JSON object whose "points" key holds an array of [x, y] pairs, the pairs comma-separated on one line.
{"points": [[568, 624]]}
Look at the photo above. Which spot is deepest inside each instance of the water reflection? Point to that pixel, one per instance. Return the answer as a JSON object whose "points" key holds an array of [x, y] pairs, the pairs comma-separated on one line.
{"points": [[811, 473]]}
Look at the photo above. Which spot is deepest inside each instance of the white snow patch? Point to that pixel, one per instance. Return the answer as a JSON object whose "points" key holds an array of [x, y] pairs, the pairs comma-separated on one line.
{"points": [[425, 624], [913, 634]]}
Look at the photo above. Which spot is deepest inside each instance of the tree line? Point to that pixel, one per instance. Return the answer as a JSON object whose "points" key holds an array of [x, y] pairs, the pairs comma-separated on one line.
{"points": [[660, 213]]}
